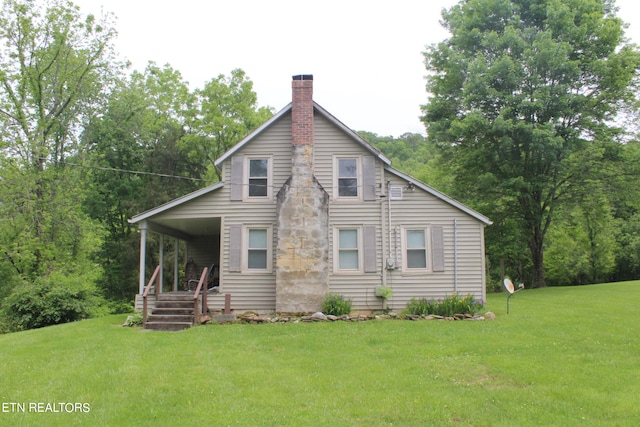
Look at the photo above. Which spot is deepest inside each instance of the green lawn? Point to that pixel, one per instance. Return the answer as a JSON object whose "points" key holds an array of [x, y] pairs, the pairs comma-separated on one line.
{"points": [[563, 357]]}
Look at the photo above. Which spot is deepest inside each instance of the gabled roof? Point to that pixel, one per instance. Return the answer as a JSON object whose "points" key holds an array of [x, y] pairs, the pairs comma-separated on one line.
{"points": [[439, 195], [357, 138], [175, 202]]}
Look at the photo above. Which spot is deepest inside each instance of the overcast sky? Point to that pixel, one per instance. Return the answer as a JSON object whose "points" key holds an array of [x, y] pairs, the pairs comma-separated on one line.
{"points": [[365, 55]]}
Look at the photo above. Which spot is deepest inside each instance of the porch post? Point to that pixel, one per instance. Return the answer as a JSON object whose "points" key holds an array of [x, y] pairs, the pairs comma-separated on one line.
{"points": [[143, 254], [175, 266], [161, 258]]}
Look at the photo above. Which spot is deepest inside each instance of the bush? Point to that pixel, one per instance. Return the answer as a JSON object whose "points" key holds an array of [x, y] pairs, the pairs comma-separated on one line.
{"points": [[336, 305], [445, 307], [134, 320], [49, 301]]}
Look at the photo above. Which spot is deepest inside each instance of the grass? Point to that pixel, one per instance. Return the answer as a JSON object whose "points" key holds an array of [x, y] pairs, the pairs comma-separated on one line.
{"points": [[562, 357]]}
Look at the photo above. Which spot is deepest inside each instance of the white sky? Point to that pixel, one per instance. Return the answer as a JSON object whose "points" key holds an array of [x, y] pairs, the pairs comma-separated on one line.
{"points": [[365, 55]]}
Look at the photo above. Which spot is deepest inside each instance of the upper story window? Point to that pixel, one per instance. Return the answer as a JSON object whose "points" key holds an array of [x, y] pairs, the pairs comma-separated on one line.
{"points": [[347, 177], [258, 177], [251, 178]]}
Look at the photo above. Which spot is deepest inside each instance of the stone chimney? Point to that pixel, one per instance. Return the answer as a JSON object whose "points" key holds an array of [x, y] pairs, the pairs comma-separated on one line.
{"points": [[302, 253]]}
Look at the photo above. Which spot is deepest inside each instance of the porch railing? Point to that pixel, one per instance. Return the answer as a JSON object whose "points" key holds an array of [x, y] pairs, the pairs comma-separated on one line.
{"points": [[155, 277], [196, 296]]}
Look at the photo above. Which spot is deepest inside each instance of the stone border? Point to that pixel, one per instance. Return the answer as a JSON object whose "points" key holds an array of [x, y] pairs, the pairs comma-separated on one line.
{"points": [[254, 318]]}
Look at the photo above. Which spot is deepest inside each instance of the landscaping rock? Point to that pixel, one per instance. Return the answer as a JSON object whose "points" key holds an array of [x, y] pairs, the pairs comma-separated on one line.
{"points": [[319, 317], [255, 318], [224, 318]]}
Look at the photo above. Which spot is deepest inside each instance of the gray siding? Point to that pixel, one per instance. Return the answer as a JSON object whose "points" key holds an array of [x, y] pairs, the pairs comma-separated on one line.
{"points": [[257, 291], [464, 266]]}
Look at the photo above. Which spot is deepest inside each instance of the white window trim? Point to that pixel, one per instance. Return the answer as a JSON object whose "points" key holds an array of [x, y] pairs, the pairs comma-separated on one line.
{"points": [[428, 249], [336, 250], [245, 178], [245, 248], [359, 177]]}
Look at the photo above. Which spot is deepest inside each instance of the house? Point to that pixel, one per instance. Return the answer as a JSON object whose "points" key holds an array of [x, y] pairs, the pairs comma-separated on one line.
{"points": [[307, 207]]}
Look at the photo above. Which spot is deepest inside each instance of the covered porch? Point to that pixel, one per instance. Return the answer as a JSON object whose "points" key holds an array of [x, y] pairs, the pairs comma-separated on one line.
{"points": [[184, 230], [195, 245]]}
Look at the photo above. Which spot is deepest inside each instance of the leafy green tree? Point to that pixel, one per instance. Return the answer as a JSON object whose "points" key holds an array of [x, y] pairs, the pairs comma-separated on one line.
{"points": [[54, 66], [582, 244], [225, 111], [522, 94], [623, 190], [53, 69], [137, 148]]}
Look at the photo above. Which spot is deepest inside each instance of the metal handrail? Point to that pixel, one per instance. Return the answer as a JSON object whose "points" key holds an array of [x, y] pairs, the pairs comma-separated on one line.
{"points": [[205, 308], [154, 277]]}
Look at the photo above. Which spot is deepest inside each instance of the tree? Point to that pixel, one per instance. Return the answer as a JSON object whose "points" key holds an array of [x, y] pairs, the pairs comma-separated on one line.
{"points": [[522, 95], [52, 71], [141, 130], [54, 68], [225, 112], [582, 240]]}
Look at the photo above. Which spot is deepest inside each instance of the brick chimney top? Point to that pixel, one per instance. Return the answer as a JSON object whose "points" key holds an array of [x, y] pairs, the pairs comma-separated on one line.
{"points": [[302, 110]]}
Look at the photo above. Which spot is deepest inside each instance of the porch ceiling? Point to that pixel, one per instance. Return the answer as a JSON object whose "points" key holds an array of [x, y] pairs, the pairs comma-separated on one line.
{"points": [[193, 227]]}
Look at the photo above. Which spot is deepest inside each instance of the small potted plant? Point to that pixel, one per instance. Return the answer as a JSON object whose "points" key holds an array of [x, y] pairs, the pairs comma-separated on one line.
{"points": [[384, 292]]}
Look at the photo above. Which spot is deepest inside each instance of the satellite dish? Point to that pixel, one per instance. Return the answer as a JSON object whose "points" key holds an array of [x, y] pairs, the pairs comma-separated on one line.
{"points": [[509, 286]]}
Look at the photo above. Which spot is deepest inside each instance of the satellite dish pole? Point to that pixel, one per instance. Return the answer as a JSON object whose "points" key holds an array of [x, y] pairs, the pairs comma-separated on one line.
{"points": [[511, 289]]}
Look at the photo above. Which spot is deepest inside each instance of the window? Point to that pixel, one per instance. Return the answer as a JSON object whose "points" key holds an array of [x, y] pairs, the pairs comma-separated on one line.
{"points": [[347, 253], [257, 249], [347, 177], [258, 177], [256, 241], [251, 178], [415, 249]]}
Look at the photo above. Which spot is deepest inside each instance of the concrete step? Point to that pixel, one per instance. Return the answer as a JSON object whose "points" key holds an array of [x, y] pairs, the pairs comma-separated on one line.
{"points": [[173, 310], [174, 304], [170, 318], [175, 296], [164, 326]]}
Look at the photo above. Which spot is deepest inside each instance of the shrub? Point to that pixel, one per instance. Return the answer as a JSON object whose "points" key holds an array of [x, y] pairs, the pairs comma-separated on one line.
{"points": [[49, 301], [445, 307], [336, 305], [134, 320]]}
